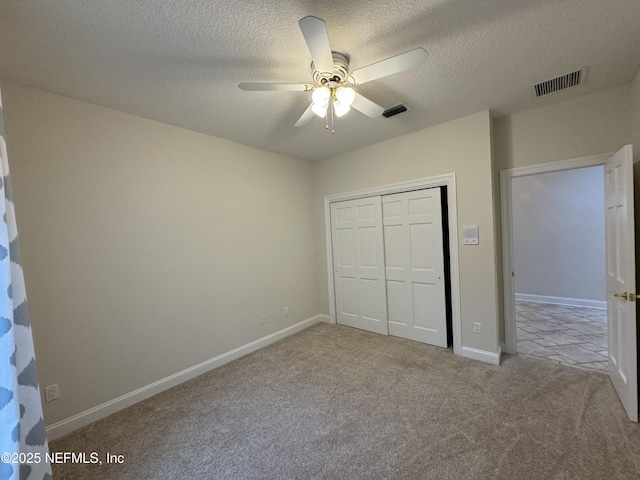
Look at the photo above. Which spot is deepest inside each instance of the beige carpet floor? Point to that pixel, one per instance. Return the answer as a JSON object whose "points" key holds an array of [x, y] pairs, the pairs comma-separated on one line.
{"points": [[337, 403]]}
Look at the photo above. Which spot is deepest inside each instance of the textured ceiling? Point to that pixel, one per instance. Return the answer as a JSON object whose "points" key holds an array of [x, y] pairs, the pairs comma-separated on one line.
{"points": [[180, 62]]}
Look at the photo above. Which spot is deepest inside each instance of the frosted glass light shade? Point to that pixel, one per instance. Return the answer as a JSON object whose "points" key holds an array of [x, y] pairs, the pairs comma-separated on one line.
{"points": [[320, 110], [320, 96], [346, 95], [340, 108]]}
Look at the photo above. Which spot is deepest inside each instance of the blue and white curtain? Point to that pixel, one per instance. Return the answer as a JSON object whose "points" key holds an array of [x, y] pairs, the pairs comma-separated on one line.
{"points": [[23, 443]]}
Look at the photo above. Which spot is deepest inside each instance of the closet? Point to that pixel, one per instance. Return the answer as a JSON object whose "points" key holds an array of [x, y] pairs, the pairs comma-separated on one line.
{"points": [[390, 265]]}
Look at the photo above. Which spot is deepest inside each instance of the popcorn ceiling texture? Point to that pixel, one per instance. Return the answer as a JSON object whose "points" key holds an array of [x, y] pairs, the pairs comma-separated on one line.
{"points": [[180, 62]]}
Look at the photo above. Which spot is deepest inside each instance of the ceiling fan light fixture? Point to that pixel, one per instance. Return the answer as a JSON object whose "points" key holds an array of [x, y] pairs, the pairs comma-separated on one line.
{"points": [[345, 95], [321, 95], [320, 110], [340, 108]]}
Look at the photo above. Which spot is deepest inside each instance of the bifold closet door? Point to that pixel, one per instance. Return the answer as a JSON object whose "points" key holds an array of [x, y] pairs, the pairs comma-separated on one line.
{"points": [[414, 262], [358, 263]]}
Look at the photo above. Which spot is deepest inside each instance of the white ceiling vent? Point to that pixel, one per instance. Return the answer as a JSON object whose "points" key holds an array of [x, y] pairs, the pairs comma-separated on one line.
{"points": [[562, 82]]}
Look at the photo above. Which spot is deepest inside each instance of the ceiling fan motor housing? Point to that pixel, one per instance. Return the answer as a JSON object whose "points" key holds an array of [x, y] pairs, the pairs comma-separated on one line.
{"points": [[340, 70]]}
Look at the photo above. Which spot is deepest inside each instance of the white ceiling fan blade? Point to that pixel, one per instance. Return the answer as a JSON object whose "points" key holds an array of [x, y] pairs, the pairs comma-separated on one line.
{"points": [[366, 106], [283, 87], [305, 117], [392, 65], [314, 31]]}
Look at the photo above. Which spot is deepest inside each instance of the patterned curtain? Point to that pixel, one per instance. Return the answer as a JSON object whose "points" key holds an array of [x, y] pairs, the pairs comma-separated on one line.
{"points": [[23, 442]]}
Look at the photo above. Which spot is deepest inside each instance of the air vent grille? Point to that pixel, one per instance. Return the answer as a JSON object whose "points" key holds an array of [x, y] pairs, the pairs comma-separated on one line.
{"points": [[562, 82]]}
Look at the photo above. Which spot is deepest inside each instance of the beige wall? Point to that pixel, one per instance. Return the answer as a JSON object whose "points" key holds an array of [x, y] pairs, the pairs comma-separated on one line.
{"points": [[148, 248], [558, 234], [461, 146], [587, 125]]}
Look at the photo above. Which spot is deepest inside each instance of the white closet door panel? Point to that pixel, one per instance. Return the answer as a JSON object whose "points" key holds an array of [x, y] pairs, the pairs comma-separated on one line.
{"points": [[369, 293], [345, 248], [358, 251], [415, 266], [422, 250], [420, 207], [366, 212], [368, 247], [347, 295], [393, 255], [392, 209], [343, 215], [425, 298], [397, 302]]}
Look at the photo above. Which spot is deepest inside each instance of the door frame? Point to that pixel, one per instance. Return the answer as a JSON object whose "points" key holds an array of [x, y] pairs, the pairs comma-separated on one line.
{"points": [[446, 180], [509, 303]]}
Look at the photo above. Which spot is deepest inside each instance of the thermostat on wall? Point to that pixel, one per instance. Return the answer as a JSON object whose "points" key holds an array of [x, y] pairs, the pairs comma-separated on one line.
{"points": [[470, 235]]}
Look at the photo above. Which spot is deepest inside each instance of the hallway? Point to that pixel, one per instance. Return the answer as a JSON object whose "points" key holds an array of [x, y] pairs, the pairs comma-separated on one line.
{"points": [[563, 333]]}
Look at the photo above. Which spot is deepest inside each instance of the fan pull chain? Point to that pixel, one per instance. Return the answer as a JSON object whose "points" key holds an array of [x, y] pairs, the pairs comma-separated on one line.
{"points": [[332, 129]]}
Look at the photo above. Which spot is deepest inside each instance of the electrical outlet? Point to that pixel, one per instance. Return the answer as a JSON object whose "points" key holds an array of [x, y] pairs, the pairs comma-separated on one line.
{"points": [[477, 327], [51, 393], [286, 311], [264, 318]]}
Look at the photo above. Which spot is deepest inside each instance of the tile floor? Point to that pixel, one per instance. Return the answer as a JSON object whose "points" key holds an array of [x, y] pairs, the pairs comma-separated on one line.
{"points": [[562, 333]]}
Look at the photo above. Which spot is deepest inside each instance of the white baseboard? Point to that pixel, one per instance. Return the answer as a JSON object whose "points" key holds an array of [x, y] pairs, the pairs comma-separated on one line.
{"points": [[482, 355], [574, 302], [63, 427]]}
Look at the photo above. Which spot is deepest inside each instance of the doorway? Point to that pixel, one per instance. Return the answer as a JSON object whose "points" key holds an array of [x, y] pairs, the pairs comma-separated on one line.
{"points": [[620, 268], [537, 307], [559, 262]]}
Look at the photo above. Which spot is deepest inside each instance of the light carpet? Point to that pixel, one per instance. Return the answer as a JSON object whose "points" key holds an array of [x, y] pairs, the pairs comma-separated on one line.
{"points": [[333, 402]]}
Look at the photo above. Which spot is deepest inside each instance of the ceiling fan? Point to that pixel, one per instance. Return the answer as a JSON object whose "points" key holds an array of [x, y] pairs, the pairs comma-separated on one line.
{"points": [[332, 92]]}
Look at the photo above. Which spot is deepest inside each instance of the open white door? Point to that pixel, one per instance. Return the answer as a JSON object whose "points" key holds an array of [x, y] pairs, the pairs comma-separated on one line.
{"points": [[621, 280], [358, 263]]}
